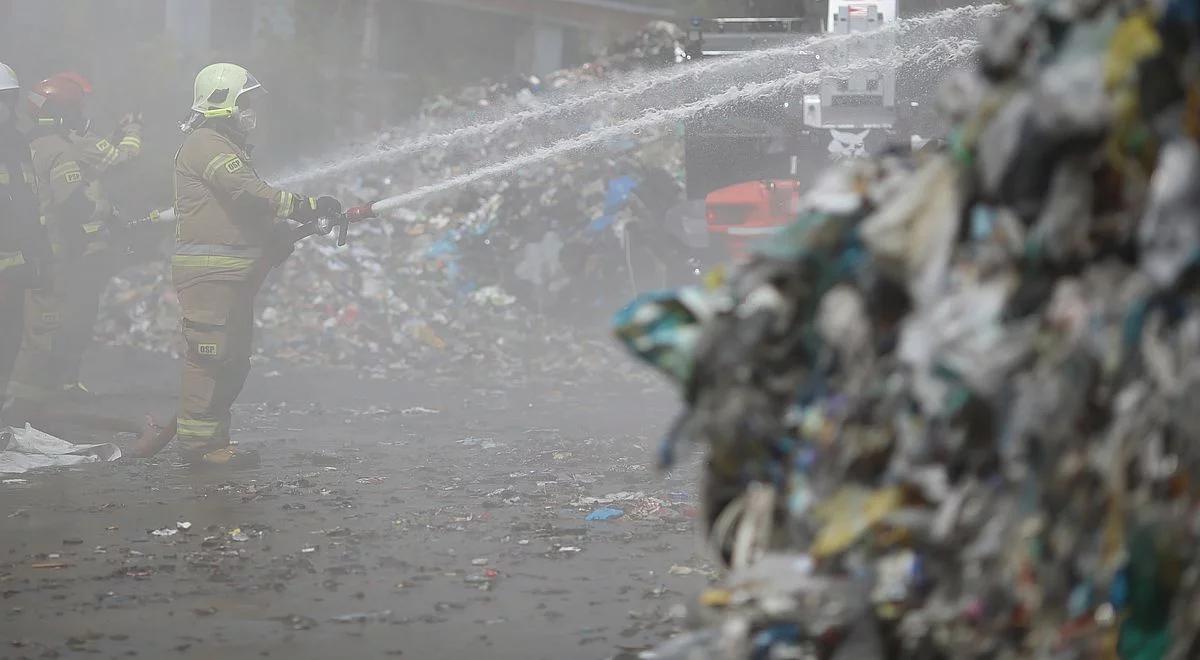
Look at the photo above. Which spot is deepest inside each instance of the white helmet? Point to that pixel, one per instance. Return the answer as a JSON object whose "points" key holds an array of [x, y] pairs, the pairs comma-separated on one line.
{"points": [[8, 78]]}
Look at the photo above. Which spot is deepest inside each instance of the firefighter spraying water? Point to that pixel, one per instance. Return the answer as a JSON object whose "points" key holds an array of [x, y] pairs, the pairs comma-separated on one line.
{"points": [[708, 151], [231, 229]]}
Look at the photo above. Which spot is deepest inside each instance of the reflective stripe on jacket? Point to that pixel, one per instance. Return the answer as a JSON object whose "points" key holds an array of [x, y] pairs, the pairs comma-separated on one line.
{"points": [[73, 204], [100, 154], [225, 213]]}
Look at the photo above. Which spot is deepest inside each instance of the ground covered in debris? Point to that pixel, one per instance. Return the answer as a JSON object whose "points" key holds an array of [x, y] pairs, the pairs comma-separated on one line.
{"points": [[428, 517]]}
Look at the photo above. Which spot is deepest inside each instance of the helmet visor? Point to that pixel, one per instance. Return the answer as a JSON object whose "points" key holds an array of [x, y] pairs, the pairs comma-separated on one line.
{"points": [[251, 84]]}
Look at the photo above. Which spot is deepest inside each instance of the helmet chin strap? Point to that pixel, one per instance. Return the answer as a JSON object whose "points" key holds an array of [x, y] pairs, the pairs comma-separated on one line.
{"points": [[59, 122]]}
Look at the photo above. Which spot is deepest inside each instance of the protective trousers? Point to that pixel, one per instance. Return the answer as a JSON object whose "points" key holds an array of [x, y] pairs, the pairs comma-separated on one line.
{"points": [[83, 281], [218, 327], [12, 327], [35, 380]]}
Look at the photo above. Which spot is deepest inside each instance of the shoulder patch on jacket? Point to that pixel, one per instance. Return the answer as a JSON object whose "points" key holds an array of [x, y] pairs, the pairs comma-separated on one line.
{"points": [[233, 165], [103, 145]]}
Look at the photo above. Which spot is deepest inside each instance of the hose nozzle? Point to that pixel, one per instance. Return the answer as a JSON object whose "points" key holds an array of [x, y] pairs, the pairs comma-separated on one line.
{"points": [[362, 212]]}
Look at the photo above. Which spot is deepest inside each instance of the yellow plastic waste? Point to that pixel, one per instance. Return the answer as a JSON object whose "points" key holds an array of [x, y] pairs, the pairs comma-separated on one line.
{"points": [[849, 514]]}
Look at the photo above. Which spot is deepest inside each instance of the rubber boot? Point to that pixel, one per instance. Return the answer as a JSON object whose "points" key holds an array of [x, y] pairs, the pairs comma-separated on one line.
{"points": [[229, 458]]}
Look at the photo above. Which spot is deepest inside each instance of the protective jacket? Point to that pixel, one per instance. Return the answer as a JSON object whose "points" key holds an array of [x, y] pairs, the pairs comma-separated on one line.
{"points": [[227, 218], [24, 252], [22, 238], [228, 232], [73, 204]]}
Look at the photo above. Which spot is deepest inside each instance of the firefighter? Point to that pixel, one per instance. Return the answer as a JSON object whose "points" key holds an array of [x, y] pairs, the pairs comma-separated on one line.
{"points": [[24, 251], [78, 220], [231, 231], [85, 278]]}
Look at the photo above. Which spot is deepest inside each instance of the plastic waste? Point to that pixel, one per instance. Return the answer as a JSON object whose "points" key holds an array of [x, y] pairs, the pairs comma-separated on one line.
{"points": [[605, 513], [949, 411], [29, 449]]}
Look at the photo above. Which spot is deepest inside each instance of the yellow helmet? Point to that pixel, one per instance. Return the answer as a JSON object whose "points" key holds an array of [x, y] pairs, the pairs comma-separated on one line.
{"points": [[218, 87]]}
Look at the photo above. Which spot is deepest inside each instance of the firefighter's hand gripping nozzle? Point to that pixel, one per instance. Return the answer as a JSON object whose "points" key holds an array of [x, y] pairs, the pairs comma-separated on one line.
{"points": [[332, 216], [342, 220], [326, 223]]}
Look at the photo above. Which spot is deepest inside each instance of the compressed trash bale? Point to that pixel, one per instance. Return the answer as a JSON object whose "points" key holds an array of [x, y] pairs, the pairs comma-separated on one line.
{"points": [[1010, 473]]}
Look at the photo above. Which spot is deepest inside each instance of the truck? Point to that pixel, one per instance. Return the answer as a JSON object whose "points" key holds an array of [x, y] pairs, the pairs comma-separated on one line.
{"points": [[858, 110], [746, 167]]}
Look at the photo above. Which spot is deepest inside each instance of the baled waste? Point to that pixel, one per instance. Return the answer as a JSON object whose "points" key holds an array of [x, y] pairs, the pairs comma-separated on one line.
{"points": [[949, 412]]}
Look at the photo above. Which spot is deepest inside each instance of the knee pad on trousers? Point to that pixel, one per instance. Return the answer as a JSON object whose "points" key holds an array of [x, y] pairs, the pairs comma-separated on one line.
{"points": [[208, 344]]}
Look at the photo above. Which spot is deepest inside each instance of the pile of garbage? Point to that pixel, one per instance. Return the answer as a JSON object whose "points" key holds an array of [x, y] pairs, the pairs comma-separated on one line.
{"points": [[950, 412], [488, 274], [657, 44]]}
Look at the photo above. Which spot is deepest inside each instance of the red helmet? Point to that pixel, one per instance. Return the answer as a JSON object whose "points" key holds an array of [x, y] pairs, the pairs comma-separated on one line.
{"points": [[58, 101], [75, 77]]}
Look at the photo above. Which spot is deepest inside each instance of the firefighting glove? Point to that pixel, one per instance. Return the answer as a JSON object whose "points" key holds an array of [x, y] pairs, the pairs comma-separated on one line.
{"points": [[308, 209], [328, 207], [129, 131]]}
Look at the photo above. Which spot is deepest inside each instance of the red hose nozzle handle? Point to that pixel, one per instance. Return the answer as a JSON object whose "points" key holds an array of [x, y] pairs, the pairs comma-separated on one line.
{"points": [[356, 213]]}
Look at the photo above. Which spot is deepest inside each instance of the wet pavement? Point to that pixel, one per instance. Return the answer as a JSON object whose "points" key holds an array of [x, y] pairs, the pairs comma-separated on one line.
{"points": [[437, 517]]}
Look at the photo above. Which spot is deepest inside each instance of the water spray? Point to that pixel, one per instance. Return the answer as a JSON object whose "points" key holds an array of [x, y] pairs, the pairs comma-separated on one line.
{"points": [[647, 119], [644, 121], [635, 86]]}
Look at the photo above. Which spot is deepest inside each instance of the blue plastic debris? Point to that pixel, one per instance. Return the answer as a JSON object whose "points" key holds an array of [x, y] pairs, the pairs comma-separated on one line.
{"points": [[605, 513]]}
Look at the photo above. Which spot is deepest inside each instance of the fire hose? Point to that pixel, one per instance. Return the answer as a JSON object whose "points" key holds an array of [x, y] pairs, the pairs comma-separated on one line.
{"points": [[318, 227]]}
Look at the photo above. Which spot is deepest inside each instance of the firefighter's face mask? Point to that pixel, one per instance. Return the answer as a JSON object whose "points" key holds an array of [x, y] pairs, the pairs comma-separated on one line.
{"points": [[8, 103], [78, 125], [246, 119]]}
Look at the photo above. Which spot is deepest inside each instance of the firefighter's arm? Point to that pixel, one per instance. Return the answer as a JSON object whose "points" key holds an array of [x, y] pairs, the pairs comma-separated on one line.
{"points": [[227, 173], [131, 127], [101, 154], [73, 196], [12, 261], [24, 263], [131, 136]]}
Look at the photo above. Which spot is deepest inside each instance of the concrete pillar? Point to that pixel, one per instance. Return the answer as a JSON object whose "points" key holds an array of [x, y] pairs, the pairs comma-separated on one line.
{"points": [[368, 90], [547, 47], [6, 30]]}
